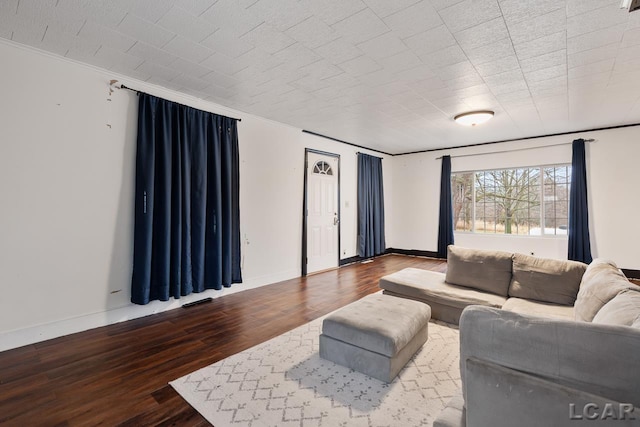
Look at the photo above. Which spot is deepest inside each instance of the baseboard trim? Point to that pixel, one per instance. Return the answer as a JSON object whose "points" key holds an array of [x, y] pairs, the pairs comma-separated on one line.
{"points": [[631, 274], [414, 252], [351, 260], [396, 251], [43, 332]]}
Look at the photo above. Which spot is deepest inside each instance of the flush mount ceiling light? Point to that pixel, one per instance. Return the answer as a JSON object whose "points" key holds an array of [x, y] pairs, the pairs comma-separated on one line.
{"points": [[631, 5], [473, 118]]}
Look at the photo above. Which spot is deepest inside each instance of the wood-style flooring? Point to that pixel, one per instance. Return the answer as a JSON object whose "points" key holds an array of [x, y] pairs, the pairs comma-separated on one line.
{"points": [[118, 374]]}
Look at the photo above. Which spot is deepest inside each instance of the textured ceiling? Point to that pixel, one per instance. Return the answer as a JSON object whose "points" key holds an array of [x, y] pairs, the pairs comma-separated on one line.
{"points": [[389, 75]]}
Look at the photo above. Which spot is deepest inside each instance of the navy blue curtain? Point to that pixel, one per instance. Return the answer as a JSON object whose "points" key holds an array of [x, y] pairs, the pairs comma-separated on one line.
{"points": [[445, 224], [370, 206], [579, 244], [187, 216]]}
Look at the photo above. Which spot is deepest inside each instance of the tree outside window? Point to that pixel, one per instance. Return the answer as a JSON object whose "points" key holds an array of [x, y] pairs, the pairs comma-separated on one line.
{"points": [[522, 201]]}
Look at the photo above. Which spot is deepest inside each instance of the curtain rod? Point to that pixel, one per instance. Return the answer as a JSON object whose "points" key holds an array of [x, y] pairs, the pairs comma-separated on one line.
{"points": [[381, 158], [515, 149], [139, 91]]}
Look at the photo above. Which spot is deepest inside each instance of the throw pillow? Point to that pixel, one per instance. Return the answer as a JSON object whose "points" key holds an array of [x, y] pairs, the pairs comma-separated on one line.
{"points": [[488, 271], [600, 284], [546, 280], [622, 310]]}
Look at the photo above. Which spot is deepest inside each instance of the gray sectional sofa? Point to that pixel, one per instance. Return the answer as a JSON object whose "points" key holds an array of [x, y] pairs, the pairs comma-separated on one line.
{"points": [[542, 342], [531, 371], [514, 282]]}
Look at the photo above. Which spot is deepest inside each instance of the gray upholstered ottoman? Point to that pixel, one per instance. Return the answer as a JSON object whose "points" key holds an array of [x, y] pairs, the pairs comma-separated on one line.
{"points": [[376, 335]]}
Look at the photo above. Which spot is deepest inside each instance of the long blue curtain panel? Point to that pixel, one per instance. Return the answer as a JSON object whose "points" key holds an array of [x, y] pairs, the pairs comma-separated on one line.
{"points": [[187, 216], [445, 224], [371, 239], [579, 242]]}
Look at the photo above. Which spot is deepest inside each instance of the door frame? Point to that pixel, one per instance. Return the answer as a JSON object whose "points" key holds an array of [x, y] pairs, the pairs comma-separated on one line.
{"points": [[305, 205]]}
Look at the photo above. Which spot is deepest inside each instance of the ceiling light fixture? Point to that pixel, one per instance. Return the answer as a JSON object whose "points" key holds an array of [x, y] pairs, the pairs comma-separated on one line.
{"points": [[473, 118], [631, 5]]}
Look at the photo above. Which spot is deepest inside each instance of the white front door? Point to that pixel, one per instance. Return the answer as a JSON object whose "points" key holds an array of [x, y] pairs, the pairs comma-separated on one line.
{"points": [[322, 212]]}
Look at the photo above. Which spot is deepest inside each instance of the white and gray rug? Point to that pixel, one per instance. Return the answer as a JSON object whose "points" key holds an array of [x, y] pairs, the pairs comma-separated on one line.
{"points": [[283, 382]]}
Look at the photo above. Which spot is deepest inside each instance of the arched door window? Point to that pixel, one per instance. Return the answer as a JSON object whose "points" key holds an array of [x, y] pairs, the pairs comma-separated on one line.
{"points": [[322, 168]]}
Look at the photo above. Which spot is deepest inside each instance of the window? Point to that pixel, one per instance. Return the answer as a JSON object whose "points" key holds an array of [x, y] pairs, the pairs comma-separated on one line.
{"points": [[525, 201], [322, 168]]}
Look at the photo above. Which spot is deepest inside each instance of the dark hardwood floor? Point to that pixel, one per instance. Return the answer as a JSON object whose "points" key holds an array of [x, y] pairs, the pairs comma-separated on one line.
{"points": [[118, 374]]}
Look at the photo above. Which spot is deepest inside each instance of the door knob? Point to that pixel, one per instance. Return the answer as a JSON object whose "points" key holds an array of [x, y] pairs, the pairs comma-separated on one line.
{"points": [[335, 219]]}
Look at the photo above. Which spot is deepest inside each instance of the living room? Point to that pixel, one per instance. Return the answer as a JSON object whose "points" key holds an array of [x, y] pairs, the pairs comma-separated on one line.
{"points": [[67, 162]]}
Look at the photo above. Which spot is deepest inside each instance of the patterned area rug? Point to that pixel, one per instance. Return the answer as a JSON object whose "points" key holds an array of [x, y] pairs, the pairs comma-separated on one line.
{"points": [[283, 382]]}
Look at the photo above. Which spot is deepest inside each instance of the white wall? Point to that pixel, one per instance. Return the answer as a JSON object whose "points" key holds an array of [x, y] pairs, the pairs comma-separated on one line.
{"points": [[66, 191], [612, 184], [271, 192], [67, 164], [614, 205]]}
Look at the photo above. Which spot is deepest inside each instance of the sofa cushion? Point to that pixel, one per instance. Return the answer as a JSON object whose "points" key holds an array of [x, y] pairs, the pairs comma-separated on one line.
{"points": [[600, 284], [425, 285], [623, 310], [537, 308], [547, 280], [488, 271]]}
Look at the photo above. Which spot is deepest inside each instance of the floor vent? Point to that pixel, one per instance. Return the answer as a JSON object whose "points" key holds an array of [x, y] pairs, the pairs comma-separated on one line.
{"points": [[200, 301]]}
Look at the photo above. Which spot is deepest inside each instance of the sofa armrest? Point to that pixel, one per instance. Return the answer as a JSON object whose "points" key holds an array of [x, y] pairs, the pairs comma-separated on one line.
{"points": [[598, 359], [498, 396]]}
